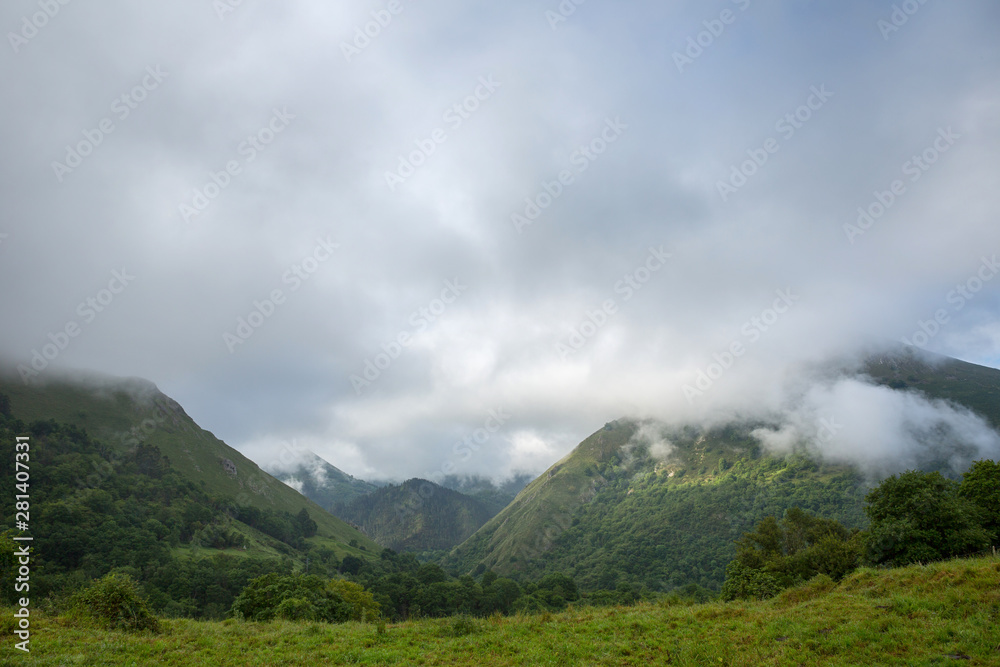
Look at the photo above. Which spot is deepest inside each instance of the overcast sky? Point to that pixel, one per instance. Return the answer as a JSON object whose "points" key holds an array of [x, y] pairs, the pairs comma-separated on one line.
{"points": [[480, 181]]}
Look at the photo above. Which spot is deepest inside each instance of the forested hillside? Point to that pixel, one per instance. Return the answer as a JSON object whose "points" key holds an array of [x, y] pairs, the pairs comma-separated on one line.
{"points": [[416, 515], [124, 413], [614, 513], [639, 503]]}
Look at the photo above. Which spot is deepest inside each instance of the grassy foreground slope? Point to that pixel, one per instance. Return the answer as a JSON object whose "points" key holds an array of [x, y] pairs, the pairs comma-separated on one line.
{"points": [[944, 613]]}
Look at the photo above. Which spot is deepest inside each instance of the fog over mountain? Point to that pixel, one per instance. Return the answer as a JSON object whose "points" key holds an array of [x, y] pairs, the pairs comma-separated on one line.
{"points": [[461, 242]]}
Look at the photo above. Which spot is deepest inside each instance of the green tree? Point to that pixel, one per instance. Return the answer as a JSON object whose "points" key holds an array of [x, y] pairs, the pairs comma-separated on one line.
{"points": [[748, 583], [920, 516], [305, 524], [981, 485], [351, 565], [362, 602], [294, 597], [799, 547]]}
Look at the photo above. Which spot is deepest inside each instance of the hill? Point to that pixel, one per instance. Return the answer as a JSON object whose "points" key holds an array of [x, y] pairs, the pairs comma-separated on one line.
{"points": [[417, 515], [638, 503], [943, 613], [976, 387], [324, 484], [496, 495], [121, 479], [122, 413], [618, 511]]}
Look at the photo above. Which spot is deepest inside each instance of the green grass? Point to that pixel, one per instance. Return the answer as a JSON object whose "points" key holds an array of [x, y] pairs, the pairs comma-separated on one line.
{"points": [[941, 614]]}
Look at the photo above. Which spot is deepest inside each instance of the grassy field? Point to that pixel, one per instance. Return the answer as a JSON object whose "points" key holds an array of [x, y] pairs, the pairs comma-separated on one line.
{"points": [[941, 614]]}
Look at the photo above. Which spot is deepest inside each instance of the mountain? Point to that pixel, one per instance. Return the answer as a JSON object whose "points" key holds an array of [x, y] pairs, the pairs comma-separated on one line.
{"points": [[495, 495], [640, 503], [122, 413], [973, 386], [322, 483], [417, 515]]}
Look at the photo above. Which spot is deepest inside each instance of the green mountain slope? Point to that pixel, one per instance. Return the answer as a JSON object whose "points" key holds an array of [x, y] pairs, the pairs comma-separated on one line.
{"points": [[495, 495], [123, 413], [324, 484], [975, 387], [614, 512], [637, 503], [417, 515]]}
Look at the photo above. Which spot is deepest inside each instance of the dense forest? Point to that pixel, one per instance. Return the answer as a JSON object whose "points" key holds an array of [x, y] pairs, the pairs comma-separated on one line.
{"points": [[95, 509]]}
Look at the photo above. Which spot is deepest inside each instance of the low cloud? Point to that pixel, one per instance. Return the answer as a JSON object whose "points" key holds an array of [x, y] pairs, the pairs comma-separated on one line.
{"points": [[649, 436], [881, 430]]}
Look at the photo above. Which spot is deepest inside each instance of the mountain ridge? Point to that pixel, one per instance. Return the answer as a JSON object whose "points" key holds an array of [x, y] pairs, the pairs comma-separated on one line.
{"points": [[125, 412], [662, 508]]}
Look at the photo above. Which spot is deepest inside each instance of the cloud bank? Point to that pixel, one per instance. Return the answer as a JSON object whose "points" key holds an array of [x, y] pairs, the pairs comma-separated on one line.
{"points": [[478, 209]]}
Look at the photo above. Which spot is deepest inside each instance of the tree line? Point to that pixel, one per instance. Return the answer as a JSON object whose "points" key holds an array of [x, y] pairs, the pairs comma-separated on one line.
{"points": [[914, 517]]}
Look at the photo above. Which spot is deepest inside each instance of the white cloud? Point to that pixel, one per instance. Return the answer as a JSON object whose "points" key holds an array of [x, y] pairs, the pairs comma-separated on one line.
{"points": [[496, 345]]}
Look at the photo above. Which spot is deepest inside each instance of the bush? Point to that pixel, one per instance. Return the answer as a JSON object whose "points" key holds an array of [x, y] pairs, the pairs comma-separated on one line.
{"points": [[362, 603], [462, 626], [304, 598], [800, 546], [921, 517], [747, 583], [981, 485], [115, 601]]}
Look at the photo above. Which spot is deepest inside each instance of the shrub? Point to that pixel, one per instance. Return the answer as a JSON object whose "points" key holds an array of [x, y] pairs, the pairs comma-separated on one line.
{"points": [[362, 603], [304, 598], [981, 485], [920, 516], [115, 601], [800, 546], [747, 583], [462, 626]]}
